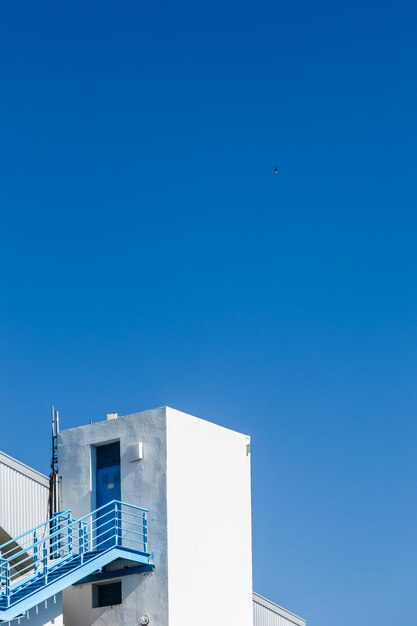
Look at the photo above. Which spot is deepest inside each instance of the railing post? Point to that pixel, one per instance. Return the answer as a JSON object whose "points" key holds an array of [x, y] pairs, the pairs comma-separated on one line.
{"points": [[45, 561], [2, 576], [69, 534], [53, 537], [86, 539], [116, 525], [35, 551], [81, 540], [7, 589], [145, 531]]}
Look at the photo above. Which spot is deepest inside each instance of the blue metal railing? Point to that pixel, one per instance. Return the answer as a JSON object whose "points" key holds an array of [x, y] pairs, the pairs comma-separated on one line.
{"points": [[37, 554]]}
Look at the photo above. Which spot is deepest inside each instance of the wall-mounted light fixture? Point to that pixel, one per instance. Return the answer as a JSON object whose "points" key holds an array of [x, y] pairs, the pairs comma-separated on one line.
{"points": [[135, 451]]}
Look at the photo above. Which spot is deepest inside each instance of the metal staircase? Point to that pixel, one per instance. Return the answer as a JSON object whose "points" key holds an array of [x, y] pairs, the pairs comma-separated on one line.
{"points": [[64, 550]]}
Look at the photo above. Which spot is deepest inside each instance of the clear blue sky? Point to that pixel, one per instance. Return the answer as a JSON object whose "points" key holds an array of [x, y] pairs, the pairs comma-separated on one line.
{"points": [[150, 256]]}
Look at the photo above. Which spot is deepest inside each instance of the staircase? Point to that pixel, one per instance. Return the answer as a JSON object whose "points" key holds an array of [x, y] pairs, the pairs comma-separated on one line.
{"points": [[64, 550]]}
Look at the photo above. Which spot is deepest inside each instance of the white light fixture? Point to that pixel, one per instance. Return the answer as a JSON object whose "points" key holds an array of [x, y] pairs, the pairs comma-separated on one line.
{"points": [[135, 451]]}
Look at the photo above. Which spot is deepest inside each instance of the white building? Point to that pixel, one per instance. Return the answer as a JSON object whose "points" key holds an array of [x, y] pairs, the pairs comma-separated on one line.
{"points": [[186, 561]]}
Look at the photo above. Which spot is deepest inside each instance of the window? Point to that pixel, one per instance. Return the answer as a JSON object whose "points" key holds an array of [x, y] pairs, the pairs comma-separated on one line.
{"points": [[107, 594]]}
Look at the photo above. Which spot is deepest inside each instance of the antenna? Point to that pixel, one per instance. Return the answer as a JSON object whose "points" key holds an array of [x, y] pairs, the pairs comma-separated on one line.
{"points": [[53, 476]]}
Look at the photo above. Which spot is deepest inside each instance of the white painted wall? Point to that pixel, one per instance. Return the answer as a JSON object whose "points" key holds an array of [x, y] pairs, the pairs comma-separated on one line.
{"points": [[209, 523], [195, 479]]}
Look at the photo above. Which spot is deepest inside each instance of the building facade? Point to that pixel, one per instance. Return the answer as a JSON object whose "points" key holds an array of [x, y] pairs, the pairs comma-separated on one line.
{"points": [[155, 529]]}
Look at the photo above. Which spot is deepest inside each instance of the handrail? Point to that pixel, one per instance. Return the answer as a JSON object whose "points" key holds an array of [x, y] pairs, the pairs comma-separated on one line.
{"points": [[29, 547], [32, 530], [59, 531], [104, 506], [66, 540]]}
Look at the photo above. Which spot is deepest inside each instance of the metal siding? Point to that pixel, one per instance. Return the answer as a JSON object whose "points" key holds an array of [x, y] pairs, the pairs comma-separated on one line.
{"points": [[264, 617], [23, 501], [273, 615]]}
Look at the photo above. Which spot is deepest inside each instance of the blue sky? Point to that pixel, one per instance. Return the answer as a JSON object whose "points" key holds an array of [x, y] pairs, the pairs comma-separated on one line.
{"points": [[150, 256]]}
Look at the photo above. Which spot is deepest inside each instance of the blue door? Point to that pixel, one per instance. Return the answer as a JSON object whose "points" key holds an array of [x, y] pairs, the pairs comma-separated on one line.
{"points": [[107, 489]]}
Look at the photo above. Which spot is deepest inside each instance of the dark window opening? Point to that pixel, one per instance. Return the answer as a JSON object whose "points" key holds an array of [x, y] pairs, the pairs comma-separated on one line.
{"points": [[107, 594], [108, 455]]}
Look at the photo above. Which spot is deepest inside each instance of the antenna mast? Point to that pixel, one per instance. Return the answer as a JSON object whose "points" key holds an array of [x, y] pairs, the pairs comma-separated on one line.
{"points": [[53, 476]]}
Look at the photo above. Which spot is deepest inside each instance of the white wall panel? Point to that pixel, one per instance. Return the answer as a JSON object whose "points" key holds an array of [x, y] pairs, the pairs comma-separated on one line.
{"points": [[209, 523], [23, 497]]}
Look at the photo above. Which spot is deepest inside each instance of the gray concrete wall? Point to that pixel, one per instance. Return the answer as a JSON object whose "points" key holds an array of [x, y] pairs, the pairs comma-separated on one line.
{"points": [[48, 613], [143, 483]]}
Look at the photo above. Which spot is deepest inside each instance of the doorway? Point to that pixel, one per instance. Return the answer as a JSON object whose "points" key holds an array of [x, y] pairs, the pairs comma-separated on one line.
{"points": [[108, 488]]}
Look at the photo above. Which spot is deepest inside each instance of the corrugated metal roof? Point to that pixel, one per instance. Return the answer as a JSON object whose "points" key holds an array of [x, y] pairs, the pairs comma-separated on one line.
{"points": [[267, 613]]}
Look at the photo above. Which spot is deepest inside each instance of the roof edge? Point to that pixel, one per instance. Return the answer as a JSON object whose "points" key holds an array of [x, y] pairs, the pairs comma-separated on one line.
{"points": [[24, 469], [279, 610]]}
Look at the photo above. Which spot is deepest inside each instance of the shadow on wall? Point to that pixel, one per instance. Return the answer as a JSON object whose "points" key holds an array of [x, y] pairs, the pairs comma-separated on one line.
{"points": [[48, 613]]}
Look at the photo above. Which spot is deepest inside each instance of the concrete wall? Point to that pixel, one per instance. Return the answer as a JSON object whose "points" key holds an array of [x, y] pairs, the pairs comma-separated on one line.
{"points": [[48, 613], [209, 521], [143, 483], [195, 479]]}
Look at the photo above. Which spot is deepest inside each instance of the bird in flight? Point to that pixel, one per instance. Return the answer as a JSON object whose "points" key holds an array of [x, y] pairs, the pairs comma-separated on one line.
{"points": [[276, 169]]}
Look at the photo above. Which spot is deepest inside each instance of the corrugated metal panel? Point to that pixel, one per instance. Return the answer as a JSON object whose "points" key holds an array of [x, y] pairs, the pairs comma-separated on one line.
{"points": [[266, 613], [23, 498], [264, 617]]}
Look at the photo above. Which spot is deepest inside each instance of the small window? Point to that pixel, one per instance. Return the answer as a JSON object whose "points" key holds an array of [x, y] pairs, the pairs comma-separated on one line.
{"points": [[107, 594]]}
